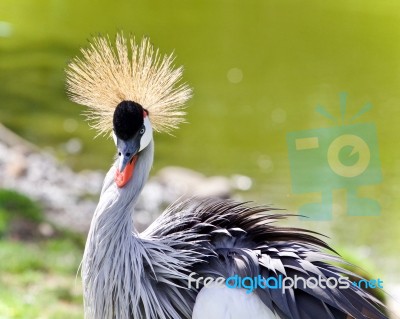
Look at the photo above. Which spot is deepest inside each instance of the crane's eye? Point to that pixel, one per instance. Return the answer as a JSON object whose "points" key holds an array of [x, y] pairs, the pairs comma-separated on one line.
{"points": [[142, 130]]}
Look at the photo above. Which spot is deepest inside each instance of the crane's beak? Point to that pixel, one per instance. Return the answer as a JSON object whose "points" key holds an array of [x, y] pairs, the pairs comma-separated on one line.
{"points": [[127, 151]]}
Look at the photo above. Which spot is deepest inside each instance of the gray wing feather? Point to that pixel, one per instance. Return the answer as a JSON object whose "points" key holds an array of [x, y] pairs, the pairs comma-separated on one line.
{"points": [[224, 238]]}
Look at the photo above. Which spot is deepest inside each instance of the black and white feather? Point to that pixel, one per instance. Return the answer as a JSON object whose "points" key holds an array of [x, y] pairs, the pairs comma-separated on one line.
{"points": [[235, 238]]}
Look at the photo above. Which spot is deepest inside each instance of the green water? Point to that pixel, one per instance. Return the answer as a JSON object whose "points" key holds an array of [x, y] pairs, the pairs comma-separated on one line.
{"points": [[258, 69]]}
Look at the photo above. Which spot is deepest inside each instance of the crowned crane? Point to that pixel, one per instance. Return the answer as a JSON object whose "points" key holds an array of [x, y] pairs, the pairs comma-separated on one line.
{"points": [[167, 271]]}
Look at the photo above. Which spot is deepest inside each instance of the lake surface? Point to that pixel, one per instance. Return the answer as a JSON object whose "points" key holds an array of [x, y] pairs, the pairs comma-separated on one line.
{"points": [[259, 70]]}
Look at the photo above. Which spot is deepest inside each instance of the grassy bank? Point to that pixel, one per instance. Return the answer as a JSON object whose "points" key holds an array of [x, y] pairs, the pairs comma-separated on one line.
{"points": [[38, 263], [39, 280]]}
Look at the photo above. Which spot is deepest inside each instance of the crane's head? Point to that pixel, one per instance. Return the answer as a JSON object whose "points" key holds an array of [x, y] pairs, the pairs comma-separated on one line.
{"points": [[132, 133], [130, 90]]}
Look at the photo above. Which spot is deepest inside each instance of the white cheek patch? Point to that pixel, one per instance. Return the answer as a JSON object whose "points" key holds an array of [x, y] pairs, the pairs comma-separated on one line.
{"points": [[148, 134], [114, 138]]}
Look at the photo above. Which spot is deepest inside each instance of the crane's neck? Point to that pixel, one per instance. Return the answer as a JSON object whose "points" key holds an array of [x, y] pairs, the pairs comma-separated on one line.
{"points": [[111, 243], [116, 204]]}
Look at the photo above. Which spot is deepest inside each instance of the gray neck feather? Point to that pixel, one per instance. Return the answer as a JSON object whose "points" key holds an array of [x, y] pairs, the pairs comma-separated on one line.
{"points": [[113, 260]]}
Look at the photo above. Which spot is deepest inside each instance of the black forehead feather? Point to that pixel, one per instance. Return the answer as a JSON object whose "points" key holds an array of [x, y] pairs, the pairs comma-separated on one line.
{"points": [[128, 119]]}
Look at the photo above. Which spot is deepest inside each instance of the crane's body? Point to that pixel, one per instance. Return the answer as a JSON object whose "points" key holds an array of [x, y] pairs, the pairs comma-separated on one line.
{"points": [[131, 275], [152, 257]]}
